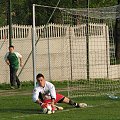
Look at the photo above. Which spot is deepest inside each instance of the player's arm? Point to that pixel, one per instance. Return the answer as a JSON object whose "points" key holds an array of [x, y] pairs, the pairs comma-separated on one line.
{"points": [[35, 97], [38, 101], [20, 57], [21, 64], [53, 95], [53, 102], [6, 60]]}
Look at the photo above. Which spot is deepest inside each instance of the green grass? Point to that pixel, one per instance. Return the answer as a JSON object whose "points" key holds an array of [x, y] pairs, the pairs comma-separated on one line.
{"points": [[16, 105], [30, 84]]}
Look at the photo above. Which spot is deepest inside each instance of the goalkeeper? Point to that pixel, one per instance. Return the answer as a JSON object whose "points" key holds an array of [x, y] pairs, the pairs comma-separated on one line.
{"points": [[45, 93]]}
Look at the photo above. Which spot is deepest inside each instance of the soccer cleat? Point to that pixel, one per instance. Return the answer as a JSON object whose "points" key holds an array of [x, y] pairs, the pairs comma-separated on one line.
{"points": [[19, 87], [58, 107], [82, 105], [12, 87]]}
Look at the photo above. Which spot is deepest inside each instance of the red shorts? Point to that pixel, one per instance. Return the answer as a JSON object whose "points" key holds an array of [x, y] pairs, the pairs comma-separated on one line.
{"points": [[58, 98]]}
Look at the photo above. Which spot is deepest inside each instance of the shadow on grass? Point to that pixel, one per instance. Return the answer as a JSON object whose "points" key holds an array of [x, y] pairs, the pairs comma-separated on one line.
{"points": [[25, 110], [20, 110]]}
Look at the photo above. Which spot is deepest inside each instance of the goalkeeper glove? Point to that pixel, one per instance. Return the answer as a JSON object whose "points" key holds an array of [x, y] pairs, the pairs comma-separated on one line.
{"points": [[53, 109], [43, 105]]}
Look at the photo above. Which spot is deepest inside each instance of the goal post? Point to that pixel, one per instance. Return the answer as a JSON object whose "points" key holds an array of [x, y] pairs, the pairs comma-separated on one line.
{"points": [[35, 40], [33, 47]]}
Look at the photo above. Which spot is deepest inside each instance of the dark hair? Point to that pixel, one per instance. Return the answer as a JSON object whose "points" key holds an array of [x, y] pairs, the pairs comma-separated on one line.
{"points": [[11, 46], [39, 75]]}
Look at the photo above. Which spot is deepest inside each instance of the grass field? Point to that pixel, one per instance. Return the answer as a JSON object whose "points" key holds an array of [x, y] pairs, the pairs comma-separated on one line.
{"points": [[18, 105]]}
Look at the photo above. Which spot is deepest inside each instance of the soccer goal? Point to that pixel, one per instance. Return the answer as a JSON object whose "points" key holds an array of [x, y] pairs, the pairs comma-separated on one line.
{"points": [[91, 46], [81, 50]]}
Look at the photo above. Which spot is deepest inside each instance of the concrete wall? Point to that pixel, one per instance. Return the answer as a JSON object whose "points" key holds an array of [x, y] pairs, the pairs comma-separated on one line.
{"points": [[60, 50]]}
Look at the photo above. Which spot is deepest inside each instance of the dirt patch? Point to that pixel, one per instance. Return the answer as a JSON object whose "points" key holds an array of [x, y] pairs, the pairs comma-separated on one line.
{"points": [[21, 92]]}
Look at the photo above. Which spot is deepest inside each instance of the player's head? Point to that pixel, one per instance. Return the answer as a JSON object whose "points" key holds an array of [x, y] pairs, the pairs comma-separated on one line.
{"points": [[11, 48], [40, 79]]}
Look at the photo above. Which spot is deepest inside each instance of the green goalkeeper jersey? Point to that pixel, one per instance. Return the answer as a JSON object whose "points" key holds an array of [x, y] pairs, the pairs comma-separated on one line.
{"points": [[13, 59]]}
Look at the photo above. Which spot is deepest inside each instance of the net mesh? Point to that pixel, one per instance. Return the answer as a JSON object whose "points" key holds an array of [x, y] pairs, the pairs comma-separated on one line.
{"points": [[91, 46]]}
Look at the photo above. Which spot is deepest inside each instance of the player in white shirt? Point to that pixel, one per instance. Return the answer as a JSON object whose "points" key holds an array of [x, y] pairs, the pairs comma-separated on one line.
{"points": [[45, 92]]}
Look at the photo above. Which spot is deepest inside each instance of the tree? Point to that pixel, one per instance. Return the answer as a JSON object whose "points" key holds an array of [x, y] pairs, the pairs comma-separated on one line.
{"points": [[22, 10], [3, 12], [117, 34]]}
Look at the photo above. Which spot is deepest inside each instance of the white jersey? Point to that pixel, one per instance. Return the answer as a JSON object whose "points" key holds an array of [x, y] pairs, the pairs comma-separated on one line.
{"points": [[47, 92]]}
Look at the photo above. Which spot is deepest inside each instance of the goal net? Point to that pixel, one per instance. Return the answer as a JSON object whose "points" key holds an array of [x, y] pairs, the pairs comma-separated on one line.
{"points": [[81, 50], [91, 59]]}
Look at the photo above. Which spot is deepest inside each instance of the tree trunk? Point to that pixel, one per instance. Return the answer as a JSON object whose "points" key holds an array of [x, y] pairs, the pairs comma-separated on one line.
{"points": [[117, 33]]}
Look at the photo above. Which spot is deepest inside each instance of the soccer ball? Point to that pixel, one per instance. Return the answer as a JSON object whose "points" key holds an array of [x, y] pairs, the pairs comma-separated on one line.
{"points": [[47, 109]]}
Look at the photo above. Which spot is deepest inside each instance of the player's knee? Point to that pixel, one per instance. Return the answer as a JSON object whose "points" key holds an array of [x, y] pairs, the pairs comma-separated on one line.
{"points": [[65, 100], [62, 100]]}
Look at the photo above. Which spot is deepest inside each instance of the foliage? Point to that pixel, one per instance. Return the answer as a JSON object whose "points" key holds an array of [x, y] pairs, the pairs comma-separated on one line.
{"points": [[21, 10], [102, 3]]}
